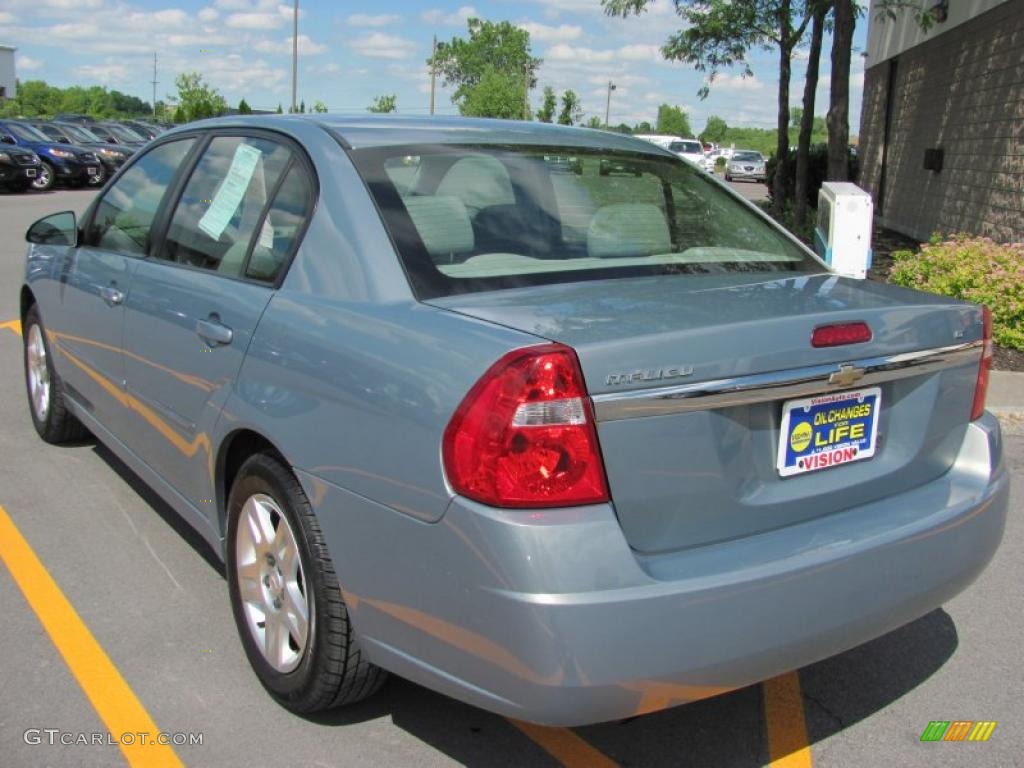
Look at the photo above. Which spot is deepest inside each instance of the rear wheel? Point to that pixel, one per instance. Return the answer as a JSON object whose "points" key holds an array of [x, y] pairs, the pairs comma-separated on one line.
{"points": [[285, 595], [44, 177], [50, 415]]}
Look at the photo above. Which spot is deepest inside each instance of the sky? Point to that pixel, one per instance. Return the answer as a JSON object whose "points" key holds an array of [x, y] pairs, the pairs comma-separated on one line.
{"points": [[353, 50]]}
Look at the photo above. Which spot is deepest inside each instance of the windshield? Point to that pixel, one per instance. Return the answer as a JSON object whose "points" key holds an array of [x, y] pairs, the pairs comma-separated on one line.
{"points": [[747, 157], [80, 134], [26, 132], [52, 132], [124, 134], [686, 147], [482, 218]]}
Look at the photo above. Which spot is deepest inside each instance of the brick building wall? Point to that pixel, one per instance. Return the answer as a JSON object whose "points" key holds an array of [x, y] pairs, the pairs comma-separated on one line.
{"points": [[961, 91]]}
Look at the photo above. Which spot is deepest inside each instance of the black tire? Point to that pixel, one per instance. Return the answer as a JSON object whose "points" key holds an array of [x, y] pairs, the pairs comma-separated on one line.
{"points": [[332, 670], [45, 177], [728, 177], [58, 425]]}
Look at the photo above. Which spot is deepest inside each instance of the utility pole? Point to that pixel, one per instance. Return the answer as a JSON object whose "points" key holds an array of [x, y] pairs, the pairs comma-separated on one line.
{"points": [[154, 84], [608, 104], [295, 54], [433, 74]]}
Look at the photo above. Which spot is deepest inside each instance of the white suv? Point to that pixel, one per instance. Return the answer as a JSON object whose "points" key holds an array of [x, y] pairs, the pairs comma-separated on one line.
{"points": [[688, 149]]}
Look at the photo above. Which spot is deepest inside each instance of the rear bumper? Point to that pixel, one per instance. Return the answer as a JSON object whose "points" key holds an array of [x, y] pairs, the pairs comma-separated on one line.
{"points": [[550, 617]]}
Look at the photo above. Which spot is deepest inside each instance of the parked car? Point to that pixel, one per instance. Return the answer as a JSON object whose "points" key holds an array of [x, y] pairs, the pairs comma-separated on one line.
{"points": [[18, 167], [113, 156], [690, 150], [71, 164], [566, 446], [113, 133], [62, 135], [75, 117], [745, 164]]}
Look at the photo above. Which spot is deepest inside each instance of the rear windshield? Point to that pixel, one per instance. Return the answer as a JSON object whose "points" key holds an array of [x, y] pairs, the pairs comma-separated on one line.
{"points": [[486, 217], [748, 157]]}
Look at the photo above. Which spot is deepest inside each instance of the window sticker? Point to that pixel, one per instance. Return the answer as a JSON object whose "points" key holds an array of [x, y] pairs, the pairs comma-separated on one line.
{"points": [[232, 190], [267, 234]]}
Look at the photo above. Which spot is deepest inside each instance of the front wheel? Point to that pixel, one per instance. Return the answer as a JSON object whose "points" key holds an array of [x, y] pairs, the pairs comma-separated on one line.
{"points": [[50, 415], [45, 177], [285, 595], [97, 179]]}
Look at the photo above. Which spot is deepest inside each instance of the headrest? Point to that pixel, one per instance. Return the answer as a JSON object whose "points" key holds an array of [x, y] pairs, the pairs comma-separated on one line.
{"points": [[628, 229], [443, 224]]}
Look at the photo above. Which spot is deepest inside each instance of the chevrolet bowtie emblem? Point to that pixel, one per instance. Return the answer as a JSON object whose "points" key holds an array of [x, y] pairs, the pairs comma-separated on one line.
{"points": [[846, 375]]}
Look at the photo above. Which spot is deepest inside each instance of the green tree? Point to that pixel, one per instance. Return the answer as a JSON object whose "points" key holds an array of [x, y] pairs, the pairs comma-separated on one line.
{"points": [[672, 121], [572, 110], [546, 113], [715, 129], [804, 116], [244, 108], [497, 94], [302, 107], [319, 107], [383, 104], [196, 99], [720, 34], [279, 110], [499, 52], [643, 127], [594, 122]]}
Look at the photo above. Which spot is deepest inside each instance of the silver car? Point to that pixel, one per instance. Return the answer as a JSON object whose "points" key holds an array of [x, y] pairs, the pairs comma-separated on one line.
{"points": [[566, 444], [745, 164]]}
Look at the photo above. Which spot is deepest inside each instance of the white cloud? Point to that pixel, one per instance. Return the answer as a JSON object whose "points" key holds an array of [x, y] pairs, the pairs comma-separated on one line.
{"points": [[381, 46], [729, 82], [208, 14], [366, 20], [104, 73], [563, 33], [27, 63], [6, 18], [254, 20], [306, 46], [457, 19]]}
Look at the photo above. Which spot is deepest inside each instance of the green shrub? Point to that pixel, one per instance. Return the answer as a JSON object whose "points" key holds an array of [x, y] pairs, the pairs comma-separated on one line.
{"points": [[972, 268], [817, 166], [788, 220]]}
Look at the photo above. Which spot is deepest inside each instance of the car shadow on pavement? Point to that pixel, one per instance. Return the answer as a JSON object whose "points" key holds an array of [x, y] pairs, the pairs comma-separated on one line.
{"points": [[727, 730]]}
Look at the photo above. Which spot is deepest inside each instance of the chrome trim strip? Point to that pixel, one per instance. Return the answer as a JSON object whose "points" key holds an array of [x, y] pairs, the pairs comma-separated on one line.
{"points": [[778, 385]]}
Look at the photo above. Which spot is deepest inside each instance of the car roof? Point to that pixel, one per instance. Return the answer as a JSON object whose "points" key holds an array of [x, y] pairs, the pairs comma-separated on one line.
{"points": [[364, 131]]}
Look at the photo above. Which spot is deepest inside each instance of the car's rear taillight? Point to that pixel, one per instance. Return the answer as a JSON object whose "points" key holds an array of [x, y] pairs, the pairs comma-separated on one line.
{"points": [[524, 435], [841, 334], [985, 366]]}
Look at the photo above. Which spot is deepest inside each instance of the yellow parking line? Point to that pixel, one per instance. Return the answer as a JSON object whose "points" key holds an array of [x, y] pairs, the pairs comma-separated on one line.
{"points": [[784, 719], [565, 746], [110, 695], [14, 326]]}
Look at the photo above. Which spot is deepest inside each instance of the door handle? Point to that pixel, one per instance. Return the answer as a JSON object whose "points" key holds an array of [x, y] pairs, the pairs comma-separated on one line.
{"points": [[111, 296], [214, 332]]}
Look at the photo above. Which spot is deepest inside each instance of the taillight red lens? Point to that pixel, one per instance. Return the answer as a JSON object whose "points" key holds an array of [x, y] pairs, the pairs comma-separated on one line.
{"points": [[524, 435], [838, 335], [985, 366]]}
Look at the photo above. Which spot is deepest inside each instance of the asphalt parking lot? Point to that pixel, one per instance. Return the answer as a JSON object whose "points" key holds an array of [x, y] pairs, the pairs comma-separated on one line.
{"points": [[153, 597]]}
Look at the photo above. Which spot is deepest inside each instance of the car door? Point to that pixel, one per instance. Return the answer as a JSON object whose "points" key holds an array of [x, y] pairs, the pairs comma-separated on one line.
{"points": [[96, 278], [192, 309]]}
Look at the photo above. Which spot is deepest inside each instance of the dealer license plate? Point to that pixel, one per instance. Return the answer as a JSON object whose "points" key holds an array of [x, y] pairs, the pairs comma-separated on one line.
{"points": [[828, 430], [30, 173], [91, 170]]}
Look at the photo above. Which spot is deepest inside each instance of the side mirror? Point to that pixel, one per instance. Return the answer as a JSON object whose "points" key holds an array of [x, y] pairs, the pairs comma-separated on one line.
{"points": [[6, 139], [55, 229]]}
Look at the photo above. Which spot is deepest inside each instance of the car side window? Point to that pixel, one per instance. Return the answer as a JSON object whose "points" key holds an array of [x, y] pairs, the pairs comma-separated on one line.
{"points": [[126, 211], [222, 204], [282, 226]]}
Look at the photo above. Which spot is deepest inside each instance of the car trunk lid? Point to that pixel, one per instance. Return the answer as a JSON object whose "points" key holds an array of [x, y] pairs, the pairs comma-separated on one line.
{"points": [[690, 374]]}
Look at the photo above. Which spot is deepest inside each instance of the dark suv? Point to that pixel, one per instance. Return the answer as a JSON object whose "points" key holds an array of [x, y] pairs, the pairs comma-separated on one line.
{"points": [[18, 167], [113, 156], [66, 162]]}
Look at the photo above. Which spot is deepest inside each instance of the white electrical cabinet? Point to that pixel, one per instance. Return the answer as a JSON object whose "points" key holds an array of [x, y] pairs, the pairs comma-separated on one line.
{"points": [[842, 236]]}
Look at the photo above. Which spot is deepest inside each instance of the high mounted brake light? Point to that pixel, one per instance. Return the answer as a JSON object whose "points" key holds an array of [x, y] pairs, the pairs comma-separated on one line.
{"points": [[524, 436], [838, 335]]}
